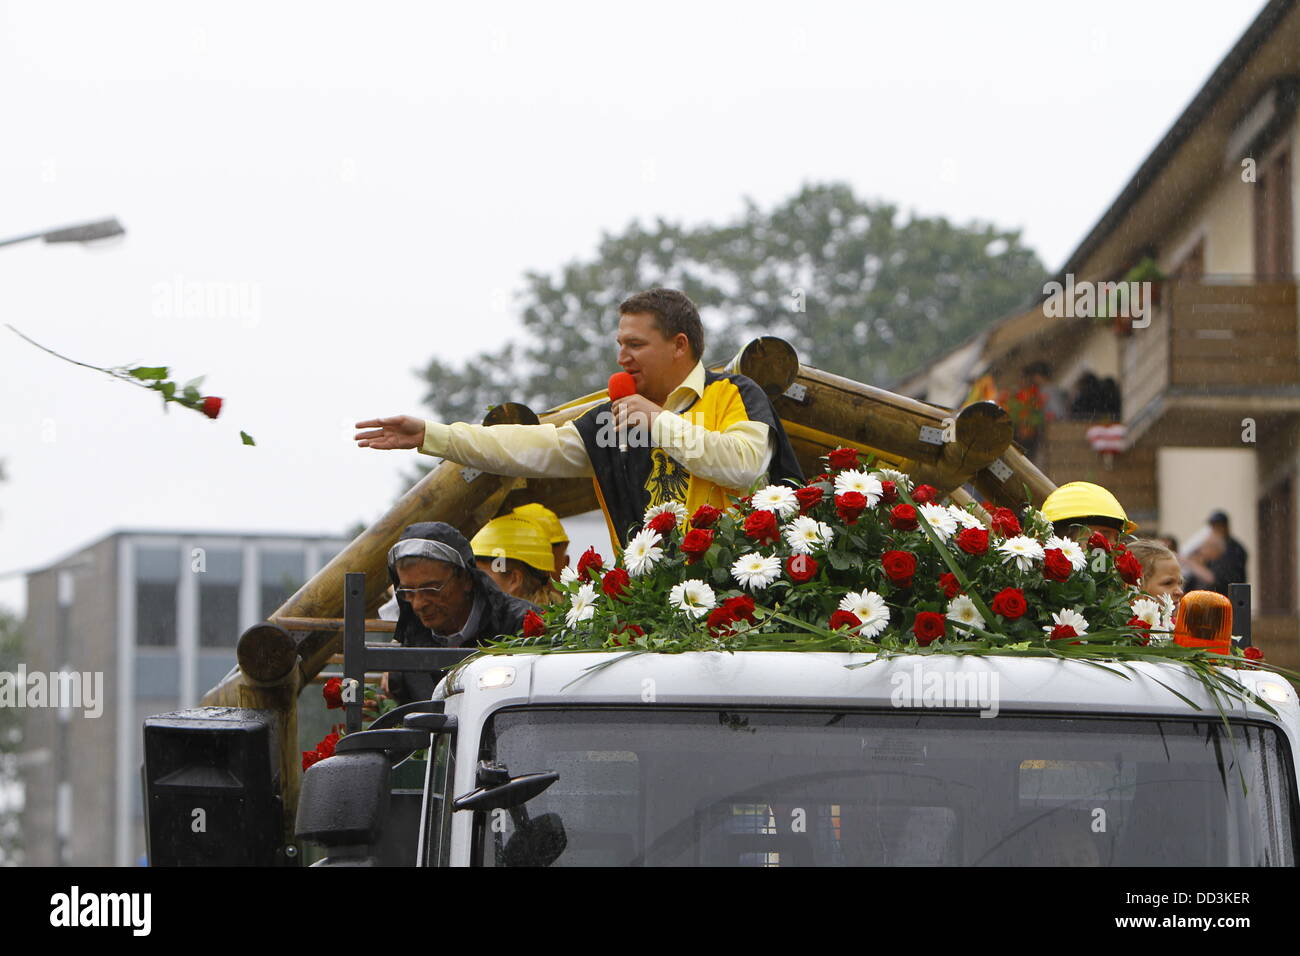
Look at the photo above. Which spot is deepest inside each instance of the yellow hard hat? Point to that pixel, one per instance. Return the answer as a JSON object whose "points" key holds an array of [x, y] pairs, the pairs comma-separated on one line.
{"points": [[512, 536], [545, 517], [1080, 500]]}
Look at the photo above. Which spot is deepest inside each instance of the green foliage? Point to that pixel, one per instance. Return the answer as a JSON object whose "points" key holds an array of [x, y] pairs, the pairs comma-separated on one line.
{"points": [[855, 288]]}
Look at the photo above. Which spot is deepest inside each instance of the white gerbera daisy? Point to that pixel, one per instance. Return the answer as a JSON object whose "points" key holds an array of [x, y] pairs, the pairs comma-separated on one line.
{"points": [[1166, 614], [642, 552], [677, 509], [1147, 611], [805, 535], [940, 519], [1021, 549], [1070, 548], [755, 571], [1068, 618], [965, 518], [866, 485], [694, 597], [870, 609], [899, 479], [778, 498], [962, 609], [584, 605], [568, 575]]}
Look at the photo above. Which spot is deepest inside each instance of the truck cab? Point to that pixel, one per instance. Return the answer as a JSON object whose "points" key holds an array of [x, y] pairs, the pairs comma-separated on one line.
{"points": [[835, 759]]}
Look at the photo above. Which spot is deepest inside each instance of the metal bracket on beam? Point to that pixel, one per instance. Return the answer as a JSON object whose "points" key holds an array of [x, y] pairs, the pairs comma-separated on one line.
{"points": [[931, 435], [469, 474], [796, 392], [1000, 469]]}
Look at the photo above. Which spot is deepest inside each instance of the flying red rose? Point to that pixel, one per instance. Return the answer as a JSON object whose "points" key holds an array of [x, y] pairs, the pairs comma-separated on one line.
{"points": [[850, 505], [760, 526], [333, 692], [1129, 568], [1253, 654], [1010, 603], [924, 494], [899, 566], [1063, 631], [800, 568], [842, 458], [928, 627], [951, 586], [973, 540], [706, 516], [809, 498], [212, 406], [742, 607], [533, 624], [721, 621], [696, 542], [1099, 540], [615, 582], [903, 517], [1056, 566], [888, 492], [590, 559], [1005, 522], [844, 619], [662, 523]]}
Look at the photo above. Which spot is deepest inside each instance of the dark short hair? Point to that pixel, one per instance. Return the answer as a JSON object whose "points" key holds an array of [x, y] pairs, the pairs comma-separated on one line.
{"points": [[673, 313]]}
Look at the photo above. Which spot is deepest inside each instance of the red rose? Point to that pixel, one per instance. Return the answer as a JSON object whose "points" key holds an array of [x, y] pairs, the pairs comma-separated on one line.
{"points": [[843, 458], [333, 692], [1062, 631], [1253, 654], [310, 757], [1129, 568], [973, 540], [800, 568], [808, 499], [721, 620], [888, 492], [951, 586], [615, 582], [924, 494], [1056, 566], [590, 559], [1144, 632], [1010, 603], [1099, 540], [822, 477], [760, 526], [662, 523], [705, 516], [212, 406], [696, 542], [631, 629], [533, 624], [850, 505], [844, 619], [326, 747], [900, 566], [903, 517], [1005, 522], [741, 607], [928, 627]]}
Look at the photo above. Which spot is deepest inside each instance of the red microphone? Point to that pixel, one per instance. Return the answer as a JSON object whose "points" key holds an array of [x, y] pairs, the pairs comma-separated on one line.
{"points": [[621, 385]]}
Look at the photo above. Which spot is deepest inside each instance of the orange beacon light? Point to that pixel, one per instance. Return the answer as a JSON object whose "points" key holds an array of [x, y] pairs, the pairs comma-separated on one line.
{"points": [[1204, 622]]}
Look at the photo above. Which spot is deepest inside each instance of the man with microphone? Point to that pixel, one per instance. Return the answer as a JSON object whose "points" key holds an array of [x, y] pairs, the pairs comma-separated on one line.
{"points": [[685, 434]]}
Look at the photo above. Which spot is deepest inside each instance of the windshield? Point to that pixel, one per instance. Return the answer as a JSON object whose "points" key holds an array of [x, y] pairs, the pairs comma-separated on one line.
{"points": [[768, 788]]}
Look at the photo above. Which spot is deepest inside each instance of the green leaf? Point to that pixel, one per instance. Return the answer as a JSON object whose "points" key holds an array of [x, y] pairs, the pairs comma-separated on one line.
{"points": [[247, 438], [194, 383], [147, 373], [168, 389]]}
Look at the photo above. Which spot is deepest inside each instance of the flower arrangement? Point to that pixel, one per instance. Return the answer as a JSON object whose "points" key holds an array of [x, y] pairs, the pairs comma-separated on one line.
{"points": [[373, 706]]}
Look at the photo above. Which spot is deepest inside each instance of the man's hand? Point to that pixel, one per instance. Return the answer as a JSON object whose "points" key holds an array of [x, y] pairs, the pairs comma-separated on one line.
{"points": [[401, 431], [635, 411]]}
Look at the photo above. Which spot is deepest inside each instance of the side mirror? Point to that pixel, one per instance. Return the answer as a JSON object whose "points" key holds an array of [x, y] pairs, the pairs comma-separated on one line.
{"points": [[513, 792]]}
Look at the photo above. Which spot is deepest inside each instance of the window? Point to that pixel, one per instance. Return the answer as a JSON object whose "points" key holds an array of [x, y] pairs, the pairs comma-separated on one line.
{"points": [[281, 574], [157, 571], [219, 597]]}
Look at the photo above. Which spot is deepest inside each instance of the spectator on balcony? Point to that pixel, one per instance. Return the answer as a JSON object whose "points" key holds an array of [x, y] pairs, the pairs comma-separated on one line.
{"points": [[1034, 402], [1086, 403]]}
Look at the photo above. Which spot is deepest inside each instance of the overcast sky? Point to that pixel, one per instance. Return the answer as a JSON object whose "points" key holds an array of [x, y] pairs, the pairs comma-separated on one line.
{"points": [[372, 181]]}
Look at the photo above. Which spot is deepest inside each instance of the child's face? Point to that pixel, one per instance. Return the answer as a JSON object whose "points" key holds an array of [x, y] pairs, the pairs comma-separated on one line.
{"points": [[1165, 578]]}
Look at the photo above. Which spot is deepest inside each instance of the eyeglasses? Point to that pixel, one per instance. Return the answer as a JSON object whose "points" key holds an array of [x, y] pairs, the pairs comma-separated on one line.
{"points": [[407, 594]]}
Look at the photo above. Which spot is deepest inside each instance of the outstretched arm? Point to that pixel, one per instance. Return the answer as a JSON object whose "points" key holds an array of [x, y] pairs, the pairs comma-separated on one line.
{"points": [[400, 431], [525, 451]]}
